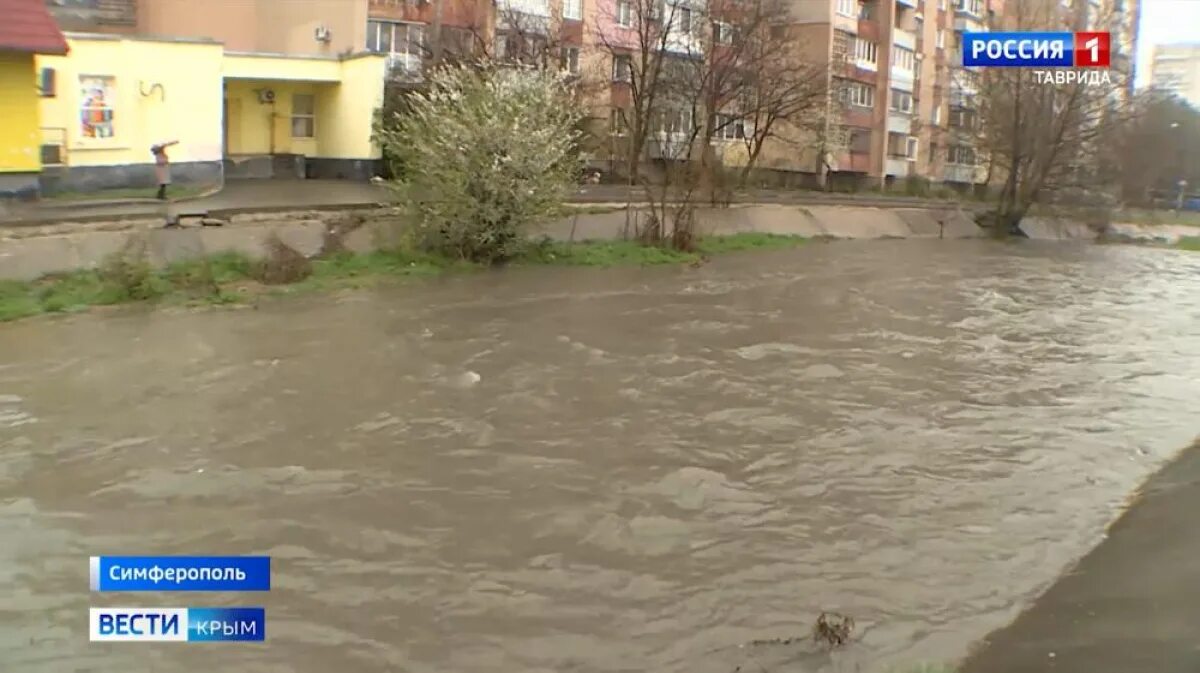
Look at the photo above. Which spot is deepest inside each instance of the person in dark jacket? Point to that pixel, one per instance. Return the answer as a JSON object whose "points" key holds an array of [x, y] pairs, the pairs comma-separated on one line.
{"points": [[162, 167]]}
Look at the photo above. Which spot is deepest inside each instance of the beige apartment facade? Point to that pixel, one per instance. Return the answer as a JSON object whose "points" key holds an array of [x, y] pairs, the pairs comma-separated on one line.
{"points": [[1176, 69]]}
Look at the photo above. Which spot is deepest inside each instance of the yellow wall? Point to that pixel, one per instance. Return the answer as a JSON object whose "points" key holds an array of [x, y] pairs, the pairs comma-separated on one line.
{"points": [[344, 108], [162, 91], [20, 139], [167, 90], [352, 103], [260, 128]]}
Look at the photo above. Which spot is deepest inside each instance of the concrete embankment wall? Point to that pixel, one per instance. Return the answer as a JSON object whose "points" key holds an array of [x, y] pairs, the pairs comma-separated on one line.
{"points": [[30, 252]]}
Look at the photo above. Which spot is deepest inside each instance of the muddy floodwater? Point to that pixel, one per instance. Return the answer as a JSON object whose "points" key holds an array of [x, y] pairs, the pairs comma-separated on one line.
{"points": [[601, 470]]}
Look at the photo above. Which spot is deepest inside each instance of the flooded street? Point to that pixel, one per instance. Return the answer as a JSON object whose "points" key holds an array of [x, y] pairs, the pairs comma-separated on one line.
{"points": [[602, 470]]}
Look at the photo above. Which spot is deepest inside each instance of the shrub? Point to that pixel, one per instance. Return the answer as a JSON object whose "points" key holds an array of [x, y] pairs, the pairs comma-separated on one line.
{"points": [[282, 264], [127, 274], [487, 152]]}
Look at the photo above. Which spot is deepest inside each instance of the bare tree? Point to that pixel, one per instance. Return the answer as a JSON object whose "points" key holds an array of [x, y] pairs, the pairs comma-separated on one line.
{"points": [[1042, 134]]}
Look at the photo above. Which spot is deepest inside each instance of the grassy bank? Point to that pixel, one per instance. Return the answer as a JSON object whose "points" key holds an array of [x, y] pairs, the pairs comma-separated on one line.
{"points": [[1189, 243], [231, 278]]}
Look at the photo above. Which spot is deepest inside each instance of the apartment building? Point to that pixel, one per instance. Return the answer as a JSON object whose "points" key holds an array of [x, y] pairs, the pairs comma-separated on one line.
{"points": [[1176, 69], [414, 33]]}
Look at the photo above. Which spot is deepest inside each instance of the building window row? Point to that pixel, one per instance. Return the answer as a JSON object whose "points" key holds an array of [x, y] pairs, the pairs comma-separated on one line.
{"points": [[856, 93], [963, 155], [903, 58], [866, 53], [902, 101]]}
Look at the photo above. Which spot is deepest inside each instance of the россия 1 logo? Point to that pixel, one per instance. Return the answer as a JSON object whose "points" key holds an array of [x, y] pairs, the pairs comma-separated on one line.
{"points": [[1041, 50]]}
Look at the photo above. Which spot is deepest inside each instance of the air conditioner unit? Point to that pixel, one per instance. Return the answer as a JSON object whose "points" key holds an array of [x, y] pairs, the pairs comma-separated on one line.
{"points": [[266, 96], [322, 34]]}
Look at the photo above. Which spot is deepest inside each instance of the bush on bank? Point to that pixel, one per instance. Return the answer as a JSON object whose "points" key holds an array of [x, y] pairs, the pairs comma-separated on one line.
{"points": [[482, 155]]}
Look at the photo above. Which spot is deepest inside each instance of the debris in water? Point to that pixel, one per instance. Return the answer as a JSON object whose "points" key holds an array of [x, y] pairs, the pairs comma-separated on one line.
{"points": [[833, 629]]}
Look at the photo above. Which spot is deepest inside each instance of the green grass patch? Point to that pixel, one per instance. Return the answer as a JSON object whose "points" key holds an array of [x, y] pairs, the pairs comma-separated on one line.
{"points": [[232, 278], [715, 245], [1189, 243]]}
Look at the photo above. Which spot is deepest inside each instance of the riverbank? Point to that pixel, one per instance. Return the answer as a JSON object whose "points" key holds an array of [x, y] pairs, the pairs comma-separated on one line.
{"points": [[1129, 605], [235, 278]]}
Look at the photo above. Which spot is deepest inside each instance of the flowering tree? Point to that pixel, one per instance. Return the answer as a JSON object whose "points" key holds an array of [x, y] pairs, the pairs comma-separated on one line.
{"points": [[486, 153]]}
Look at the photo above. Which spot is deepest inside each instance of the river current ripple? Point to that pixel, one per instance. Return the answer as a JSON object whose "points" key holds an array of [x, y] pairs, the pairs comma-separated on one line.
{"points": [[602, 470]]}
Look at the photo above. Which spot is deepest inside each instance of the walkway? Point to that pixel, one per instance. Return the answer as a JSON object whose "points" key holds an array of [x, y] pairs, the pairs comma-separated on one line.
{"points": [[267, 195], [1131, 606]]}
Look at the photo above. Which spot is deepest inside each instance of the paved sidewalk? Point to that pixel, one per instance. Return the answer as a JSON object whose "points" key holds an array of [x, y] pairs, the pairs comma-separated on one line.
{"points": [[245, 195], [1131, 606]]}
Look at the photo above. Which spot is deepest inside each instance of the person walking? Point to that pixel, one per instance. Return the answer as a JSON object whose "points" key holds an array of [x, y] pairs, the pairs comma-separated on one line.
{"points": [[162, 167]]}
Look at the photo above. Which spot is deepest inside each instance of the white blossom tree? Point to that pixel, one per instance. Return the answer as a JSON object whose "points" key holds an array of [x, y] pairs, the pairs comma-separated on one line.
{"points": [[487, 153]]}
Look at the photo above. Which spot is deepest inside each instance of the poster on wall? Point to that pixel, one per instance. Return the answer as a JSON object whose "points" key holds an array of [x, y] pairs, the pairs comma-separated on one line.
{"points": [[97, 98]]}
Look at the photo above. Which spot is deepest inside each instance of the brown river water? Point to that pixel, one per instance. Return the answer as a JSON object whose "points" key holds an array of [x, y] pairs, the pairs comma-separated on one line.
{"points": [[602, 470]]}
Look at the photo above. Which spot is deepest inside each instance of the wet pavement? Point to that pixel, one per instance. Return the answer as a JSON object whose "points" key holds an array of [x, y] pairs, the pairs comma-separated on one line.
{"points": [[554, 469], [267, 195], [1131, 605]]}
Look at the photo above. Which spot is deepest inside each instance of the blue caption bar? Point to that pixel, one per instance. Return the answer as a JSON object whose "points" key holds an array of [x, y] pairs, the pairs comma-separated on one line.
{"points": [[180, 573], [178, 625], [1045, 50]]}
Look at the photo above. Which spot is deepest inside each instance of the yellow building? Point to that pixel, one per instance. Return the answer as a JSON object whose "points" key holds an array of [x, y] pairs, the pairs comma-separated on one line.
{"points": [[233, 114], [25, 30]]}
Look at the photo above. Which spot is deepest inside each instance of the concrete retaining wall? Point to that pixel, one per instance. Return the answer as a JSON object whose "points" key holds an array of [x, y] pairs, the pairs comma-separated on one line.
{"points": [[33, 251]]}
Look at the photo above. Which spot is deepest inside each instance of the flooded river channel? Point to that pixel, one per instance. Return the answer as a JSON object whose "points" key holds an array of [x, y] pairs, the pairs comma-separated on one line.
{"points": [[601, 470]]}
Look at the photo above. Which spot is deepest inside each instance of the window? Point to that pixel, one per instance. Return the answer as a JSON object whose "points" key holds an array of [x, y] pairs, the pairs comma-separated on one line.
{"points": [[941, 39], [404, 42], [866, 54], [960, 154], [963, 118], [303, 115], [616, 121], [97, 96], [729, 127], [46, 86], [860, 141], [845, 7], [937, 114], [897, 145], [622, 67], [862, 95], [573, 9], [910, 149], [902, 101], [722, 32], [842, 48], [685, 20], [941, 4], [624, 13], [570, 60], [903, 59], [970, 7]]}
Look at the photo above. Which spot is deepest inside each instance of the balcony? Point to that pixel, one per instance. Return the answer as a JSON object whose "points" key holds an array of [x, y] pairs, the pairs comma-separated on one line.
{"points": [[907, 3], [898, 166], [960, 173], [898, 122], [903, 80], [969, 23], [904, 38], [963, 97]]}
